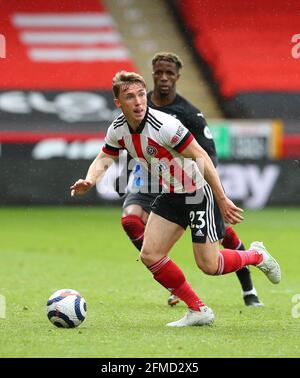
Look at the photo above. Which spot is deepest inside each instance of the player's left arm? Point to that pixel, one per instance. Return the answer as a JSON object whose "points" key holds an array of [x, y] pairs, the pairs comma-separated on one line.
{"points": [[179, 138], [229, 210]]}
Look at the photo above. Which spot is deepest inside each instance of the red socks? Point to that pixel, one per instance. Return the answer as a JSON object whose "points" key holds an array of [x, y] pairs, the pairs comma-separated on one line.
{"points": [[165, 271], [169, 275], [231, 239], [231, 261], [134, 228]]}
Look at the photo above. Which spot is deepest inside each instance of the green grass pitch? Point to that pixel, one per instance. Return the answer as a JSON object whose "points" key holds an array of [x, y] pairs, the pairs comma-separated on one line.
{"points": [[84, 248]]}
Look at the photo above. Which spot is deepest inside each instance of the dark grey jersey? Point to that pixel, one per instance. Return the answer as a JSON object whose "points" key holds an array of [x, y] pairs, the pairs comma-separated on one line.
{"points": [[193, 119]]}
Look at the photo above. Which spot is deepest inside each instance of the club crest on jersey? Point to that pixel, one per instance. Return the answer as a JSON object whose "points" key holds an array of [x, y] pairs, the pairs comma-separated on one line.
{"points": [[152, 151]]}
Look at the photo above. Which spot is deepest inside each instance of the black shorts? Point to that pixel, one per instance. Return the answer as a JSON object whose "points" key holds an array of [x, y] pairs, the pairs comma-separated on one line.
{"points": [[198, 210], [144, 200]]}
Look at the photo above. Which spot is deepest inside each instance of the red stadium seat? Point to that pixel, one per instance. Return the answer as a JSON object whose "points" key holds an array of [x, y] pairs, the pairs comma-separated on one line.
{"points": [[247, 45]]}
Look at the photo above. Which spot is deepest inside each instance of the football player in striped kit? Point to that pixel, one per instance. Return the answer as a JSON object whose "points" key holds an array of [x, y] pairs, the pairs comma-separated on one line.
{"points": [[137, 205], [163, 145]]}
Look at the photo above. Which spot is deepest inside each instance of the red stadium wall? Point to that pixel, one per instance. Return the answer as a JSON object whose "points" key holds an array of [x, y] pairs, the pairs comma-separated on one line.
{"points": [[60, 45], [55, 81], [251, 51], [247, 44]]}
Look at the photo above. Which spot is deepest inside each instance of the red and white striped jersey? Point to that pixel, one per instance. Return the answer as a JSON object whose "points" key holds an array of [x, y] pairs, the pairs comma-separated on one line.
{"points": [[157, 144]]}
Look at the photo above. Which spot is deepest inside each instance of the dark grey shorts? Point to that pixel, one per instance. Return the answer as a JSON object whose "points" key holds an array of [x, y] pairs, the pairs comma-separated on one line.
{"points": [[204, 218], [144, 200]]}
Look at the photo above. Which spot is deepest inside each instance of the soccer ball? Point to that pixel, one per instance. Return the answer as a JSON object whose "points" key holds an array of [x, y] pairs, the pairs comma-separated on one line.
{"points": [[66, 308]]}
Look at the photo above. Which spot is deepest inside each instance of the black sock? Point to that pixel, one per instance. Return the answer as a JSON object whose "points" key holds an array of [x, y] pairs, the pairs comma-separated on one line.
{"points": [[138, 243], [244, 275]]}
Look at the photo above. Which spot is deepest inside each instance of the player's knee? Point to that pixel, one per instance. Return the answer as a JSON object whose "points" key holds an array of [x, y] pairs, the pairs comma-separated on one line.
{"points": [[208, 267], [146, 256], [150, 254], [133, 210]]}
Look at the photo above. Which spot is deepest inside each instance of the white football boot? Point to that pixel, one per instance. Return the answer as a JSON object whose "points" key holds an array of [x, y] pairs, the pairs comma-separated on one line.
{"points": [[269, 266], [195, 318]]}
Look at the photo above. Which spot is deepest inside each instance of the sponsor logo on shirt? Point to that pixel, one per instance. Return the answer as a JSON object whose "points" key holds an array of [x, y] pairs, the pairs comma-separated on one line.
{"points": [[175, 139], [180, 131]]}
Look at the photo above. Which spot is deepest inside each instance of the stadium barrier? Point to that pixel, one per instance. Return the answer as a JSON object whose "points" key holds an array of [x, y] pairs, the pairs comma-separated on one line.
{"points": [[253, 184], [247, 139]]}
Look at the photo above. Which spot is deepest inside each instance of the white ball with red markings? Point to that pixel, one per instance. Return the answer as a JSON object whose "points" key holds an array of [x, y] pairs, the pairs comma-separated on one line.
{"points": [[66, 308]]}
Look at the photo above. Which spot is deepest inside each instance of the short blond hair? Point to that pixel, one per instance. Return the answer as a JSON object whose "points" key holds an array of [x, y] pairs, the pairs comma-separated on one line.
{"points": [[125, 79], [168, 57]]}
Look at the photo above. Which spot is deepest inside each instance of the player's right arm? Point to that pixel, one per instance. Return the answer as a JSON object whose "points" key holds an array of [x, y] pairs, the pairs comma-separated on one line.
{"points": [[99, 166], [95, 172]]}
